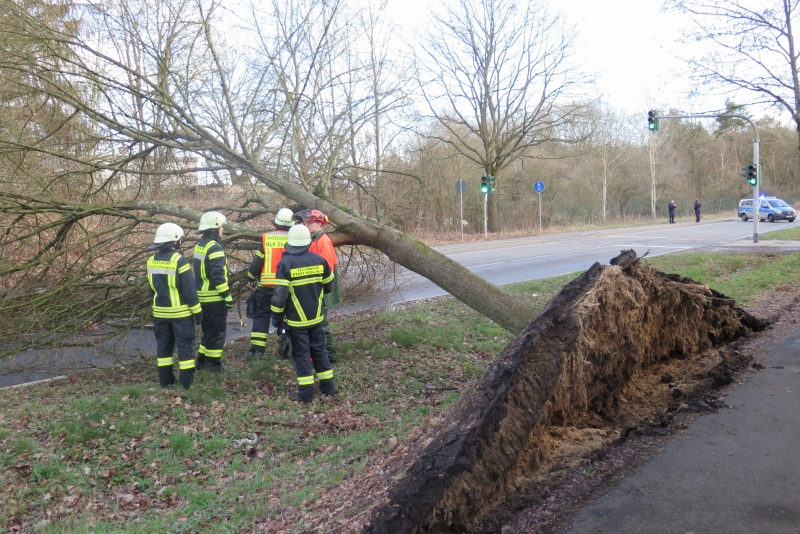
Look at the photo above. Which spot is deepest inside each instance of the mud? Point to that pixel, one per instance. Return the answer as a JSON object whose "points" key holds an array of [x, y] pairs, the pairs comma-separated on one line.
{"points": [[614, 340]]}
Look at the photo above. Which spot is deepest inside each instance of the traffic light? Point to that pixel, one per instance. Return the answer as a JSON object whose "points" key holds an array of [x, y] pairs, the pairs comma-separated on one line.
{"points": [[652, 121], [751, 173], [487, 184]]}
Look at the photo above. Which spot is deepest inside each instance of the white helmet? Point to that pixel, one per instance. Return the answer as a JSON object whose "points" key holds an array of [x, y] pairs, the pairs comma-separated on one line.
{"points": [[211, 219], [299, 236], [284, 217], [167, 233]]}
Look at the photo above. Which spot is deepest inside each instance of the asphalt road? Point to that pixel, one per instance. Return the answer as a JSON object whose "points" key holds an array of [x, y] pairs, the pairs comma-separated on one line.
{"points": [[528, 258], [735, 472], [500, 262]]}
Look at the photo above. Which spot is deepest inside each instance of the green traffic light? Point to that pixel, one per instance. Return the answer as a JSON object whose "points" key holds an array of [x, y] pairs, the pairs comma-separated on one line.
{"points": [[652, 126], [752, 181], [485, 189]]}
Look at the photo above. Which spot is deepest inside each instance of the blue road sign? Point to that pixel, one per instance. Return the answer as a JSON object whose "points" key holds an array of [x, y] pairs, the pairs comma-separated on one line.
{"points": [[538, 187], [461, 186]]}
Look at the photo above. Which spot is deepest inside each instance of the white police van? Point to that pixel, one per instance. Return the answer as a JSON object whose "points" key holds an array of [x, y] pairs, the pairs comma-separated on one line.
{"points": [[772, 209]]}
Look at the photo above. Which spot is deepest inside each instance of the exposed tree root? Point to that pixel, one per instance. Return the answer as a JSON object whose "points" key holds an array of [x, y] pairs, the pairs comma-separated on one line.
{"points": [[567, 367]]}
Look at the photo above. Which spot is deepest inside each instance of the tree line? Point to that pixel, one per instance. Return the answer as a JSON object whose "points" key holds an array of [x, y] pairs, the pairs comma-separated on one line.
{"points": [[118, 115]]}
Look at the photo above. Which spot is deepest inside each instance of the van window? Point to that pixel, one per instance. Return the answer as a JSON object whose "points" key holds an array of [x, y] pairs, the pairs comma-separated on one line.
{"points": [[747, 202], [778, 203], [765, 204]]}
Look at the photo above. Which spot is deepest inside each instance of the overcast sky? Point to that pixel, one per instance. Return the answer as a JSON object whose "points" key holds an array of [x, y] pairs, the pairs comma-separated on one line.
{"points": [[629, 44]]}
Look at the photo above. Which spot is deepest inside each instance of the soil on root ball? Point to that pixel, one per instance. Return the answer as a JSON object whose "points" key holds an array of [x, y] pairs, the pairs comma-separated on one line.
{"points": [[619, 345]]}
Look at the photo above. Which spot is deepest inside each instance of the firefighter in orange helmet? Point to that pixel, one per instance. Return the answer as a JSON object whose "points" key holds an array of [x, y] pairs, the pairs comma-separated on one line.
{"points": [[261, 275], [321, 244]]}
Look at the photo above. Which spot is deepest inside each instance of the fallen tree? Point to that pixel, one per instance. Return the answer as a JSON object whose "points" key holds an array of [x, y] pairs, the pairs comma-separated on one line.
{"points": [[566, 367]]}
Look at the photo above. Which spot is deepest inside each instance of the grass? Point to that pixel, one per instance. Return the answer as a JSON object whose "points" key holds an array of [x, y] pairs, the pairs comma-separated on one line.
{"points": [[787, 234], [110, 451]]}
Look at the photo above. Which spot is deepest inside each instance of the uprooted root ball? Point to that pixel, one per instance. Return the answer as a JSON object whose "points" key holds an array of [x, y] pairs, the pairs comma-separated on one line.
{"points": [[568, 366]]}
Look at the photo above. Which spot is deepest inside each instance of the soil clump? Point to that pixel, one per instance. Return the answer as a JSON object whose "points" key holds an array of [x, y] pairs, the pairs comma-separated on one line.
{"points": [[621, 346]]}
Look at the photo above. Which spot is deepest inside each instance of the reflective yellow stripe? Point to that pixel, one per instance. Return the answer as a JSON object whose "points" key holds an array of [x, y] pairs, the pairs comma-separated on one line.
{"points": [[223, 287], [213, 353], [306, 271], [325, 375], [305, 380], [257, 343], [306, 281], [328, 279], [183, 269], [201, 350], [302, 324], [276, 309], [164, 362], [164, 312], [172, 282], [215, 255], [259, 254], [186, 364]]}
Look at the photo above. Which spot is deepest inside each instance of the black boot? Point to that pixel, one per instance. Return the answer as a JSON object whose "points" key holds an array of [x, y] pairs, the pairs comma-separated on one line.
{"points": [[186, 378], [165, 376], [326, 387], [201, 362], [214, 365]]}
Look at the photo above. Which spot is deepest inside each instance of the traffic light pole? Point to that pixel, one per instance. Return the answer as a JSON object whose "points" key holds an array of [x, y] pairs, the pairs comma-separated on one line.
{"points": [[485, 216], [756, 188]]}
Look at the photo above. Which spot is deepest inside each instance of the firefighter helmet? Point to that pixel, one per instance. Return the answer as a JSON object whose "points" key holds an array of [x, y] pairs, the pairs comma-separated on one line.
{"points": [[308, 216], [209, 220], [299, 236], [284, 217], [167, 233]]}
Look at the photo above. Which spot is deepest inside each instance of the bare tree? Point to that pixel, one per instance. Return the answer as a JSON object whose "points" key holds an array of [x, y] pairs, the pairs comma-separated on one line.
{"points": [[233, 104], [750, 47], [493, 73], [608, 149]]}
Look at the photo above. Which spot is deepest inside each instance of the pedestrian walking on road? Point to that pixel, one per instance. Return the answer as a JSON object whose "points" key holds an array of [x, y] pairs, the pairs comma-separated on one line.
{"points": [[672, 207], [321, 244], [302, 279], [697, 207], [211, 279], [262, 279], [175, 304]]}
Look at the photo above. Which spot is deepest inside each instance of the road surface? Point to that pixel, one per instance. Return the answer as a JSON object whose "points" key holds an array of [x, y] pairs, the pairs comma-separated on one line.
{"points": [[500, 262]]}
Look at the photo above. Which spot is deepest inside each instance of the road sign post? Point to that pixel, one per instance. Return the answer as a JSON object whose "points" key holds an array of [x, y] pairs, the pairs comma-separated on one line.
{"points": [[461, 186], [539, 188]]}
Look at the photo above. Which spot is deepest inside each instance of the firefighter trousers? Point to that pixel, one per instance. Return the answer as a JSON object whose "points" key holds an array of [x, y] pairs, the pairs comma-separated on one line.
{"points": [[214, 324], [261, 319], [169, 334], [309, 355], [330, 343]]}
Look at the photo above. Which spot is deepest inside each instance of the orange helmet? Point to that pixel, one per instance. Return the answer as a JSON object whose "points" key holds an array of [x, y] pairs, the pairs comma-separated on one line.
{"points": [[307, 216]]}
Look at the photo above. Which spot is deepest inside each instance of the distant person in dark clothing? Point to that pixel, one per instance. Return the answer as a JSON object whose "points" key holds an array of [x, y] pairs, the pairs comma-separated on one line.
{"points": [[672, 207], [697, 207]]}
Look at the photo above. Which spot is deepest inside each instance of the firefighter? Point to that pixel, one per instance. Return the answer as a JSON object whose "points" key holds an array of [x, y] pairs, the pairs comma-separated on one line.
{"points": [[211, 277], [262, 279], [300, 282], [175, 304], [321, 244]]}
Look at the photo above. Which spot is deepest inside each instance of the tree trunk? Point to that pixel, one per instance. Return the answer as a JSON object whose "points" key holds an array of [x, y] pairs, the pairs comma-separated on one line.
{"points": [[487, 299]]}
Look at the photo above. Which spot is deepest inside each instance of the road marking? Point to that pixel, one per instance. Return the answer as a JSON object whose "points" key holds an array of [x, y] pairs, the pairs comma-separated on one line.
{"points": [[34, 382]]}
